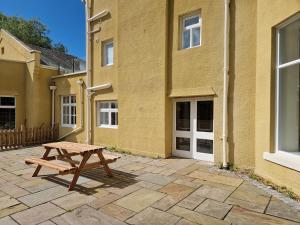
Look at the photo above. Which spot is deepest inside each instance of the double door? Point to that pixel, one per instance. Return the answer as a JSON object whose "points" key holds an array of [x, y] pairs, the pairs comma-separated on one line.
{"points": [[193, 129]]}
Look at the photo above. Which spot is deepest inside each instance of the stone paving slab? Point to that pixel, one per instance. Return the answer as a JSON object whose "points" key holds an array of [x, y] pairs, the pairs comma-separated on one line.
{"points": [[13, 190], [151, 216], [253, 198], [185, 222], [37, 214], [139, 200], [12, 209], [86, 216], [196, 217], [142, 191], [73, 201], [156, 178], [231, 181], [214, 193], [44, 196], [47, 223], [7, 221], [213, 208], [279, 209], [117, 212], [7, 201], [240, 216]]}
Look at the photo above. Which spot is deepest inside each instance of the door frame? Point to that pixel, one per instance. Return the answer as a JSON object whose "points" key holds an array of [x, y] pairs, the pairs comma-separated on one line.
{"points": [[192, 134]]}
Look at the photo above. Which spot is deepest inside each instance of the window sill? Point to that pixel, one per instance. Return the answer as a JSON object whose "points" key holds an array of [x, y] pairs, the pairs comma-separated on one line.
{"points": [[111, 127], [107, 65], [286, 159], [68, 126], [183, 49]]}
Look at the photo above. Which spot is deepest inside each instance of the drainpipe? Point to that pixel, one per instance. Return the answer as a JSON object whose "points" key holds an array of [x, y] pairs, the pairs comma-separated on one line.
{"points": [[80, 128], [89, 93], [88, 71], [53, 88], [225, 83]]}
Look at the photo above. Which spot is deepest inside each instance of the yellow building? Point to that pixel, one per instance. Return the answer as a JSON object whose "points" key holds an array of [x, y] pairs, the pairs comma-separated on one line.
{"points": [[211, 80], [25, 76]]}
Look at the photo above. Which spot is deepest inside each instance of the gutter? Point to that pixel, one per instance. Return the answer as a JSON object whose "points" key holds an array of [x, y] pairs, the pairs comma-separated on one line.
{"points": [[100, 87], [69, 74], [225, 84], [98, 16]]}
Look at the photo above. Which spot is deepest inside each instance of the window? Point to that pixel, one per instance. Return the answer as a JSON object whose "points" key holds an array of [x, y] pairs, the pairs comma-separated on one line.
{"points": [[287, 86], [68, 110], [108, 114], [191, 31], [2, 51], [108, 53], [7, 112]]}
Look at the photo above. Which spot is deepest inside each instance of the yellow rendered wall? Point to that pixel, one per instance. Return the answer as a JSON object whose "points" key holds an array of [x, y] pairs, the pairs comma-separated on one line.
{"points": [[41, 85], [104, 74], [138, 75], [66, 86], [12, 83], [269, 14], [241, 108], [200, 68], [13, 50]]}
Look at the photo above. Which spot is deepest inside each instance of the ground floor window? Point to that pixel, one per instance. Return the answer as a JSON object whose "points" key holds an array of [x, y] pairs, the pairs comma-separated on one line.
{"points": [[7, 112], [68, 111], [287, 87], [107, 114]]}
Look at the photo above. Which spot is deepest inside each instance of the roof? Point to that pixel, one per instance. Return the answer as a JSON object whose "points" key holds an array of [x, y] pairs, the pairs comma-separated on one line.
{"points": [[66, 62]]}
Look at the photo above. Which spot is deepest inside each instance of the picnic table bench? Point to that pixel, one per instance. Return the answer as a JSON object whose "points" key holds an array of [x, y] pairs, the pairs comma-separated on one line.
{"points": [[64, 152]]}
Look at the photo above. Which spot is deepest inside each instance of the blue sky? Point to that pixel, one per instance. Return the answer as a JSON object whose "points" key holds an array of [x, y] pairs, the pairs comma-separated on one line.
{"points": [[64, 18]]}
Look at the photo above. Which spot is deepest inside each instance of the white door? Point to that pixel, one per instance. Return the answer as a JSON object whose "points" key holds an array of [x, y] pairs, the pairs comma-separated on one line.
{"points": [[193, 129]]}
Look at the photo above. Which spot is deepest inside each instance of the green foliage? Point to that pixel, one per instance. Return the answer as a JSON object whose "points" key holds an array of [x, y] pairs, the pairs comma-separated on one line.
{"points": [[60, 47], [29, 31]]}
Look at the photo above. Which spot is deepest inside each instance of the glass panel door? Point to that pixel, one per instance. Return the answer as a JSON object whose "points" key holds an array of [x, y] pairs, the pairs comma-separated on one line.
{"points": [[182, 143], [203, 133]]}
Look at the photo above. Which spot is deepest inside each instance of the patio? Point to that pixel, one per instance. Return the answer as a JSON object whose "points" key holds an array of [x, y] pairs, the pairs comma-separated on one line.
{"points": [[142, 191]]}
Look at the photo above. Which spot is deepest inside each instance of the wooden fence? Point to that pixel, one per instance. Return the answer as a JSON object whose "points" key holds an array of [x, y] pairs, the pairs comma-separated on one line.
{"points": [[11, 139]]}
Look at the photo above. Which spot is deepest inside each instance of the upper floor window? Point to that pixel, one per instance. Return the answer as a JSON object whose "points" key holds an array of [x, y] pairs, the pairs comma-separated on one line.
{"points": [[108, 114], [108, 53], [191, 31], [68, 110], [287, 85], [7, 112], [2, 51]]}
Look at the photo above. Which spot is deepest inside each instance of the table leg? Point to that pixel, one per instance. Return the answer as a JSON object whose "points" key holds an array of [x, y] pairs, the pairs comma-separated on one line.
{"points": [[105, 165], [37, 170], [85, 158]]}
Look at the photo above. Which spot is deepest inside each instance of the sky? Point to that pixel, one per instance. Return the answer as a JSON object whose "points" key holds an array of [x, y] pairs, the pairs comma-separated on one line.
{"points": [[64, 18]]}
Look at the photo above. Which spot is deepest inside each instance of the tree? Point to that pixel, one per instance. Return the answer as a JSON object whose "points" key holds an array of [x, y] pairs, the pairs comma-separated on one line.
{"points": [[60, 47], [29, 31]]}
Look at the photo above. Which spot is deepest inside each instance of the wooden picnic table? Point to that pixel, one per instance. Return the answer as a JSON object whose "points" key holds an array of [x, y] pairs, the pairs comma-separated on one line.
{"points": [[64, 152]]}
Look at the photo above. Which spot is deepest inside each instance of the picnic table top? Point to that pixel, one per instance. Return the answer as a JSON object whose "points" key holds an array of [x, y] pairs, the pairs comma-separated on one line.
{"points": [[73, 147]]}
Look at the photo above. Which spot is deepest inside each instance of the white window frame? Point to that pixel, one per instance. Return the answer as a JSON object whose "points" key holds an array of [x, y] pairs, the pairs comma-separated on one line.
{"points": [[110, 111], [70, 104], [190, 28], [287, 159], [104, 53], [10, 106]]}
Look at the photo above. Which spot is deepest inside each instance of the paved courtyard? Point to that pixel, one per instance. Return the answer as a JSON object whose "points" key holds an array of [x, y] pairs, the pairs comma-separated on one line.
{"points": [[143, 191]]}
